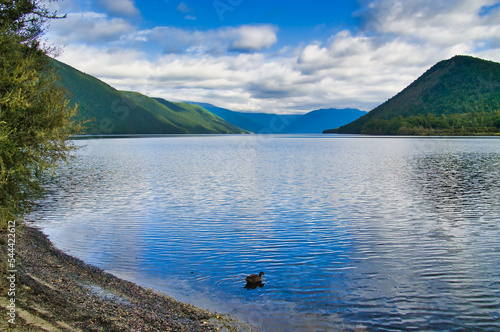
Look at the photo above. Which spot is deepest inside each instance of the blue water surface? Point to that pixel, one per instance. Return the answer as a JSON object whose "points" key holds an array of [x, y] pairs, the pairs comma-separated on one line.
{"points": [[353, 233]]}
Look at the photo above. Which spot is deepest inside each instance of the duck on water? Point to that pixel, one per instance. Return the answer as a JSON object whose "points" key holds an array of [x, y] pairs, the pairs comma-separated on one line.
{"points": [[254, 281]]}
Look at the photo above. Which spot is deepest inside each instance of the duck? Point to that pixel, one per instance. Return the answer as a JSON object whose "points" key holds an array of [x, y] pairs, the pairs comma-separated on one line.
{"points": [[254, 278]]}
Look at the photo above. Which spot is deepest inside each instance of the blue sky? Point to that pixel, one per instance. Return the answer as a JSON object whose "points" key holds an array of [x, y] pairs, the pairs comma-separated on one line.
{"points": [[271, 56]]}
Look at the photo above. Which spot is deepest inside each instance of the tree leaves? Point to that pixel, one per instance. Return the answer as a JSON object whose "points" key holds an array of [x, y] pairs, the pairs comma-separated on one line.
{"points": [[35, 119]]}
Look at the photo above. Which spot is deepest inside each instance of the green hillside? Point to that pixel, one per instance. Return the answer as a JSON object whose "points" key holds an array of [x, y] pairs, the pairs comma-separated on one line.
{"points": [[110, 111], [201, 115], [195, 120], [459, 96]]}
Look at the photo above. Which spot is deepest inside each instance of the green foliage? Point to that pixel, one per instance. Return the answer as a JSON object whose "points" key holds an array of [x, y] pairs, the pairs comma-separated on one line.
{"points": [[461, 85], [35, 119], [457, 124], [24, 19]]}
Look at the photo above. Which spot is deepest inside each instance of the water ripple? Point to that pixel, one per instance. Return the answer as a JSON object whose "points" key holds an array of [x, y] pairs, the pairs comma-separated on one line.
{"points": [[352, 233]]}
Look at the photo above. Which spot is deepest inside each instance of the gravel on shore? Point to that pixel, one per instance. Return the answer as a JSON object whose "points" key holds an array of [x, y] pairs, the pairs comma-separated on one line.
{"points": [[57, 292]]}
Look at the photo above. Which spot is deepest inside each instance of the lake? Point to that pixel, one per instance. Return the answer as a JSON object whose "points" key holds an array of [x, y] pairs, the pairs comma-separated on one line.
{"points": [[376, 233]]}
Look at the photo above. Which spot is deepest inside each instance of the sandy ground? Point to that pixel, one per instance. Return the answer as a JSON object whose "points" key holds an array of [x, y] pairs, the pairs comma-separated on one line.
{"points": [[56, 292]]}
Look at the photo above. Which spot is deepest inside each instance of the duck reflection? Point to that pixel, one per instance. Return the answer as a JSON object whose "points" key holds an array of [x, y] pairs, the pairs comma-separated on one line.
{"points": [[254, 285]]}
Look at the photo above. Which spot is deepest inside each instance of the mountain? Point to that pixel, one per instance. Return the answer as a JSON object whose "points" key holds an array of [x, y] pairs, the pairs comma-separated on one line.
{"points": [[272, 123], [202, 115], [259, 123], [194, 119], [458, 96], [109, 111], [312, 122], [316, 121], [235, 118]]}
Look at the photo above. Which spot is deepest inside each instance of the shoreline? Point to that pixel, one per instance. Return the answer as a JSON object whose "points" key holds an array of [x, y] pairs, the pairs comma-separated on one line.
{"points": [[58, 292]]}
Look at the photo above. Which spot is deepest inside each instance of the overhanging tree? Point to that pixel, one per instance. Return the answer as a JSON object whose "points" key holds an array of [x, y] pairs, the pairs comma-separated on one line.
{"points": [[35, 118]]}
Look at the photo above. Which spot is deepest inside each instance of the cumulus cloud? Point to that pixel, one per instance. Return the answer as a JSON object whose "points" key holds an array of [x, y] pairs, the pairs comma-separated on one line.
{"points": [[89, 27], [101, 29], [231, 67], [398, 41], [436, 22], [253, 38], [247, 81], [119, 7], [247, 38]]}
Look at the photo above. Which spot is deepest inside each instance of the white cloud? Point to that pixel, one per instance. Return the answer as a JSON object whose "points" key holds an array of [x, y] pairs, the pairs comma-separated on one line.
{"points": [[247, 38], [88, 27], [119, 7], [397, 42], [436, 22], [248, 81], [94, 28], [253, 38], [231, 67], [109, 64]]}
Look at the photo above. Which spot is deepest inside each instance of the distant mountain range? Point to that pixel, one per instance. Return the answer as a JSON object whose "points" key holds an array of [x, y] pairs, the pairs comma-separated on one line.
{"points": [[110, 111], [459, 96], [310, 123]]}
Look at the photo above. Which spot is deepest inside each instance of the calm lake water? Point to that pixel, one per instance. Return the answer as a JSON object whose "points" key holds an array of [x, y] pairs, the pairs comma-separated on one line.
{"points": [[352, 232]]}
